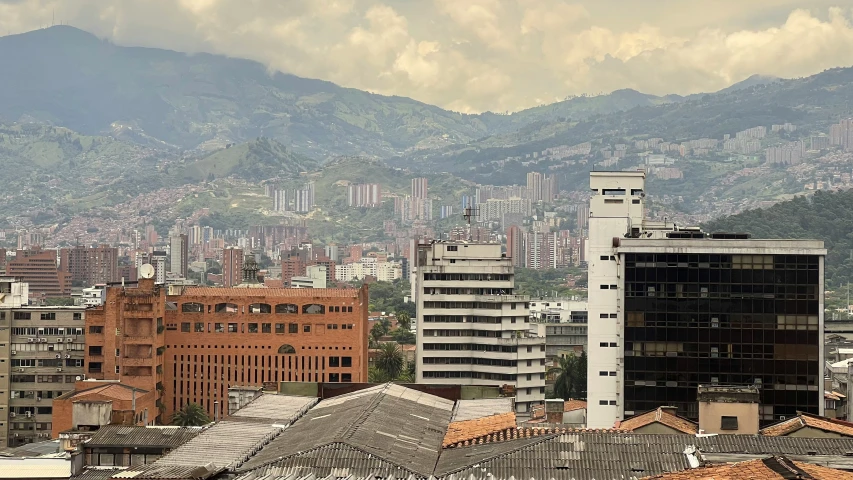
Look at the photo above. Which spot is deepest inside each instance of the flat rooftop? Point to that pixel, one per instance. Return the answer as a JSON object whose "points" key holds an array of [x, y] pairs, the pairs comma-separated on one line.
{"points": [[751, 246]]}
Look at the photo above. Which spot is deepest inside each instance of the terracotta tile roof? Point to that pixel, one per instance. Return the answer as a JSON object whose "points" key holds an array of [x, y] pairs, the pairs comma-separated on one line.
{"points": [[833, 395], [478, 427], [659, 416], [526, 432], [273, 283], [116, 391], [768, 468], [271, 292], [571, 405], [803, 420]]}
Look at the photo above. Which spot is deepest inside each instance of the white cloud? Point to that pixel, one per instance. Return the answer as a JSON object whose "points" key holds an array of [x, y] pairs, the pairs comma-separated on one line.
{"points": [[474, 55]]}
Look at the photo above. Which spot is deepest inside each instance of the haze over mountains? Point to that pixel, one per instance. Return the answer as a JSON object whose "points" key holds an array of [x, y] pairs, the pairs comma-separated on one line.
{"points": [[67, 77]]}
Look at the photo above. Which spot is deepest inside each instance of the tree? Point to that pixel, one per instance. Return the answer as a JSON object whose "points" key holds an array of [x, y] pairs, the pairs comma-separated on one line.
{"points": [[403, 336], [571, 377], [404, 320], [192, 415], [378, 331], [581, 375], [390, 360]]}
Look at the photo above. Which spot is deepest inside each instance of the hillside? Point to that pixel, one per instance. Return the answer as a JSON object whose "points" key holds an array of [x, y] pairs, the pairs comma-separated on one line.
{"points": [[257, 160], [823, 216]]}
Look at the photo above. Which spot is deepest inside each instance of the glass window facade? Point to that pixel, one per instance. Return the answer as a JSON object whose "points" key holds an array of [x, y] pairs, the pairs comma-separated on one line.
{"points": [[694, 319]]}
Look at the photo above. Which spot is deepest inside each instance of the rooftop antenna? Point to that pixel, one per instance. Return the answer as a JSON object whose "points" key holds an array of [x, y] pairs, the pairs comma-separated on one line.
{"points": [[468, 213]]}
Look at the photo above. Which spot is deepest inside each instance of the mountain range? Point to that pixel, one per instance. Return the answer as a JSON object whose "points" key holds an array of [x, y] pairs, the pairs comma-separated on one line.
{"points": [[66, 77]]}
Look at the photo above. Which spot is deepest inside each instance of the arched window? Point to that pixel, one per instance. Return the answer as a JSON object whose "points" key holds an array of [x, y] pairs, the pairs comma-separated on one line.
{"points": [[260, 308], [286, 308], [192, 307], [225, 308], [286, 349], [314, 308]]}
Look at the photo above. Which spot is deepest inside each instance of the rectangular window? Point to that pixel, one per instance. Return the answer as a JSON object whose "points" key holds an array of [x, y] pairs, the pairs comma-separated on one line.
{"points": [[77, 316], [334, 361], [48, 316], [602, 374], [266, 328], [603, 315], [349, 309], [185, 326], [452, 248], [728, 423], [199, 327], [253, 328], [612, 344], [604, 287], [21, 316], [293, 328], [306, 328], [346, 362], [346, 377], [603, 344], [279, 328], [219, 327], [232, 328], [613, 315], [334, 377], [613, 402], [602, 402], [96, 329], [612, 374]]}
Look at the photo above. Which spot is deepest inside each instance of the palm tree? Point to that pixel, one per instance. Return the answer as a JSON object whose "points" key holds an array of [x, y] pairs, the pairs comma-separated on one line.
{"points": [[192, 415], [566, 382], [374, 375], [390, 360]]}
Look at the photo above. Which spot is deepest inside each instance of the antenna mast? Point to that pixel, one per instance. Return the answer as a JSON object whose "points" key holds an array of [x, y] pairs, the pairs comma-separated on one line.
{"points": [[470, 212]]}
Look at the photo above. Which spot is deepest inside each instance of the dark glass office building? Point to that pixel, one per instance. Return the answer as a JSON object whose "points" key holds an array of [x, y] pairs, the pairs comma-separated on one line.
{"points": [[736, 312]]}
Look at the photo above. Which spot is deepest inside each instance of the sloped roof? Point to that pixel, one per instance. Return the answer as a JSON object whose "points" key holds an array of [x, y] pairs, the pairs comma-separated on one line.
{"points": [[279, 409], [658, 415], [116, 391], [479, 408], [515, 433], [153, 437], [402, 426], [786, 427], [772, 468], [478, 427], [572, 405]]}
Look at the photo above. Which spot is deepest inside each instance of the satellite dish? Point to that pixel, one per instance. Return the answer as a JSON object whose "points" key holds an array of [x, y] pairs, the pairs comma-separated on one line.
{"points": [[146, 271], [77, 378]]}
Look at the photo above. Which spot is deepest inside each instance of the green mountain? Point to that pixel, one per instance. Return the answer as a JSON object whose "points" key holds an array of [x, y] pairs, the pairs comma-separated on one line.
{"points": [[823, 216], [257, 160]]}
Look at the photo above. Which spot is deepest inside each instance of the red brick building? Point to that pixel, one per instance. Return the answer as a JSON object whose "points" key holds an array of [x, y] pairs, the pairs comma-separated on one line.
{"points": [[90, 265], [39, 269], [191, 347]]}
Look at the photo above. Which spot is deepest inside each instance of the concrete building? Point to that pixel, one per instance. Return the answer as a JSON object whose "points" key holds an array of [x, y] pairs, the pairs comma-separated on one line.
{"points": [[232, 266], [564, 323], [315, 277], [157, 260], [471, 328], [671, 309], [90, 265], [13, 293], [41, 356], [515, 245], [178, 254]]}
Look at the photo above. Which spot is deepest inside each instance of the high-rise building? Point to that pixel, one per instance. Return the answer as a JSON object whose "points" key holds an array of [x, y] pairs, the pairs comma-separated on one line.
{"points": [[515, 245], [541, 250], [39, 269], [248, 335], [232, 266], [841, 134], [471, 328], [90, 265], [420, 188], [534, 186], [671, 309], [364, 195], [178, 253], [43, 359], [157, 260], [550, 189]]}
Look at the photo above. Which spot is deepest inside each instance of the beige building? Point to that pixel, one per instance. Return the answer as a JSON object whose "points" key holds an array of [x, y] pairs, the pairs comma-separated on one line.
{"points": [[728, 409]]}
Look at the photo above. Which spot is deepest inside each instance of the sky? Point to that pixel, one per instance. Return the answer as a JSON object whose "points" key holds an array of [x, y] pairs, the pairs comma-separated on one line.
{"points": [[478, 55]]}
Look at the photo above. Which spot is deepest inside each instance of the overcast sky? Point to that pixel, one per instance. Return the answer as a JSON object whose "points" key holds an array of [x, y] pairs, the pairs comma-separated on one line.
{"points": [[475, 55]]}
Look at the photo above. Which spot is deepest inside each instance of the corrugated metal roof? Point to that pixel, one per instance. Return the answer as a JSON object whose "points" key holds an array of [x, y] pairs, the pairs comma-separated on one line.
{"points": [[154, 437], [404, 427], [336, 459], [472, 409], [166, 472], [37, 449], [279, 409], [44, 469], [97, 473]]}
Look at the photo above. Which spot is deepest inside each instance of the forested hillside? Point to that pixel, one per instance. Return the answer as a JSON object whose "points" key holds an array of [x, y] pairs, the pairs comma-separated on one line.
{"points": [[824, 216]]}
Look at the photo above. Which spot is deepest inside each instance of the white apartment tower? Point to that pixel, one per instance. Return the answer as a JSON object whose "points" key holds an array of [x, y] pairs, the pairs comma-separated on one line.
{"points": [[471, 328], [615, 208]]}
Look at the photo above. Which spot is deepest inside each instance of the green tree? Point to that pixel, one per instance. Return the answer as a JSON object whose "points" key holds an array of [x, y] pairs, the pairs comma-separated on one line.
{"points": [[571, 377], [403, 336], [581, 376], [378, 331], [404, 320], [192, 415], [390, 360], [374, 375]]}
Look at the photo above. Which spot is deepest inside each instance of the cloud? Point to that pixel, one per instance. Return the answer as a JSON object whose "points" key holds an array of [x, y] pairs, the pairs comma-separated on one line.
{"points": [[477, 55]]}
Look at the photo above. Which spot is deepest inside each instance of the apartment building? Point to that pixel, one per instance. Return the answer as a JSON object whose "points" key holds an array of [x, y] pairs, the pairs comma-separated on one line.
{"points": [[40, 270], [232, 266], [90, 265], [671, 309], [191, 346], [563, 322], [471, 328], [41, 357], [178, 254]]}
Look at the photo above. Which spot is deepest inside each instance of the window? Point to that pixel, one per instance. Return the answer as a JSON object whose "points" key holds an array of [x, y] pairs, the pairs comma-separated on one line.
{"points": [[603, 344], [603, 315], [306, 328], [614, 287], [313, 309], [293, 328], [279, 328], [612, 344], [452, 248], [334, 377], [266, 328], [48, 316], [286, 349], [602, 374], [232, 328], [260, 308], [225, 308], [96, 329], [612, 374], [346, 362], [199, 327], [613, 315], [334, 361], [602, 402], [219, 327], [728, 423], [94, 351], [613, 402], [253, 328], [117, 369], [192, 307], [21, 316], [346, 377], [285, 308], [77, 316], [349, 309], [604, 287], [185, 326]]}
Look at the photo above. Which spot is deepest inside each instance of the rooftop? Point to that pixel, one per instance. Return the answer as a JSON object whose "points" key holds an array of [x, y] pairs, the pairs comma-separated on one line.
{"points": [[572, 405], [271, 292], [661, 416], [471, 409], [762, 469], [803, 420], [277, 409], [115, 391], [134, 437], [464, 430]]}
